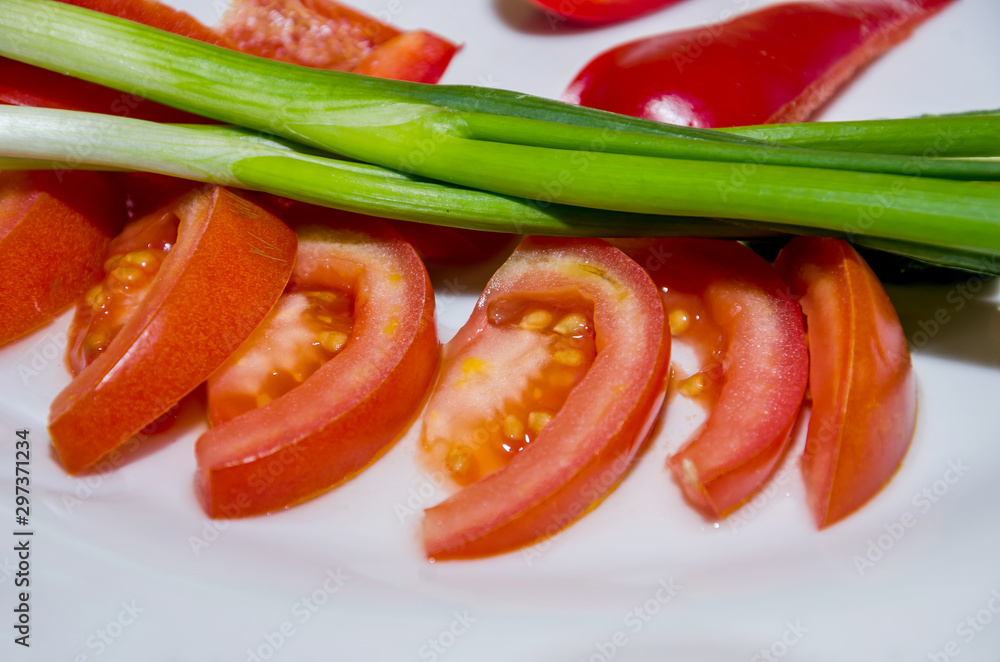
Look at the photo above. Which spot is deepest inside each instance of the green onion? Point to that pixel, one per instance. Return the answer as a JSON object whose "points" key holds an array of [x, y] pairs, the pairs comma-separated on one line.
{"points": [[971, 134], [547, 153], [43, 139]]}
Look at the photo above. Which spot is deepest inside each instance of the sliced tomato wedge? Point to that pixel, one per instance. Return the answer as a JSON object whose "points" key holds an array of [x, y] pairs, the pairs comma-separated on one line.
{"points": [[738, 314], [545, 396], [227, 267], [864, 401], [776, 64], [600, 11], [328, 35], [334, 375], [54, 228]]}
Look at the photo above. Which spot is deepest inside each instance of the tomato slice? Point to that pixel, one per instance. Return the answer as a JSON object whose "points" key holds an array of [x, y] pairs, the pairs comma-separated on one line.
{"points": [[228, 266], [545, 396], [776, 64], [328, 35], [330, 380], [736, 311], [864, 400], [600, 11], [131, 263], [25, 85], [54, 227]]}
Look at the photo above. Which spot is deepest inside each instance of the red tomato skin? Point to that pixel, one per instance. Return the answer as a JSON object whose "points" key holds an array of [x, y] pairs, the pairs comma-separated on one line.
{"points": [[343, 417], [764, 366], [25, 85], [228, 267], [864, 401], [54, 227], [600, 11], [777, 64], [588, 446]]}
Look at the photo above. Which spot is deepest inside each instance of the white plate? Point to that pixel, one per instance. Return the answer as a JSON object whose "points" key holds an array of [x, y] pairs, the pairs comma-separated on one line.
{"points": [[125, 566]]}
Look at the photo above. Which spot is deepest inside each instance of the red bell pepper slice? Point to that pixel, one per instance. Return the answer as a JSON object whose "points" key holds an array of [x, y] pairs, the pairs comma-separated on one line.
{"points": [[600, 11], [864, 401], [777, 64]]}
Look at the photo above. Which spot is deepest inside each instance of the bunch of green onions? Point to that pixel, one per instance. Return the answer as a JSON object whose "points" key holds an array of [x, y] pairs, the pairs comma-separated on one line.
{"points": [[495, 160]]}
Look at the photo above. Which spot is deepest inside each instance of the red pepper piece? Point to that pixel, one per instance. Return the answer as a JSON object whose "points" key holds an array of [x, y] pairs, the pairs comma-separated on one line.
{"points": [[600, 11], [778, 64]]}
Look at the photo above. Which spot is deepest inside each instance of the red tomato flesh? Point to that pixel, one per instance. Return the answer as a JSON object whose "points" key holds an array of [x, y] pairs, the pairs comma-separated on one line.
{"points": [[864, 400], [131, 263], [333, 377], [327, 35], [749, 332], [777, 64], [54, 228], [229, 264], [551, 344], [582, 323]]}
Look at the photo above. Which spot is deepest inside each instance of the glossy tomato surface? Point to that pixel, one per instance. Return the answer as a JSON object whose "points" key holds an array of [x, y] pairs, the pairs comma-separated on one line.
{"points": [[736, 311], [600, 11], [332, 377], [230, 262], [545, 396], [864, 401], [54, 228], [776, 64]]}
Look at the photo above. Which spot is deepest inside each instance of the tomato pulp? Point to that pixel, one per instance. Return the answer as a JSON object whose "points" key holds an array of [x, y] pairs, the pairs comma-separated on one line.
{"points": [[545, 396], [229, 264], [748, 330], [776, 64], [864, 401], [334, 375]]}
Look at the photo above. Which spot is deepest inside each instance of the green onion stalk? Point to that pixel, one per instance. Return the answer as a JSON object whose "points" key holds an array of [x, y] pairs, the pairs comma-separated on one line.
{"points": [[535, 154]]}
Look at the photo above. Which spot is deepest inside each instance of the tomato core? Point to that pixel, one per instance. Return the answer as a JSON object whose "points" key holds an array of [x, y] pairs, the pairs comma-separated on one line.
{"points": [[692, 325], [303, 331], [134, 259], [556, 346]]}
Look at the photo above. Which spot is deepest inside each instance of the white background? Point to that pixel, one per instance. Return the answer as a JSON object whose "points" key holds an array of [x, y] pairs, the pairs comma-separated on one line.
{"points": [[743, 584]]}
